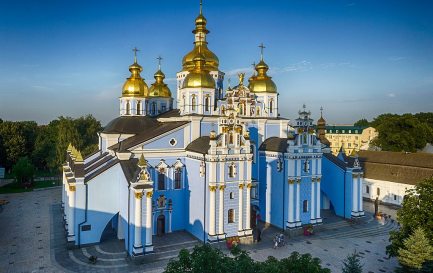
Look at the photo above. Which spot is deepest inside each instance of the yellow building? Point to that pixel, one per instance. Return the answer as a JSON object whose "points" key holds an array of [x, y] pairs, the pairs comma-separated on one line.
{"points": [[350, 138]]}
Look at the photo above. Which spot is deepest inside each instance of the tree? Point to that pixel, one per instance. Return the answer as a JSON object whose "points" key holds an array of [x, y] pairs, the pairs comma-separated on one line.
{"points": [[416, 211], [417, 250], [205, 258], [23, 170], [352, 264], [362, 123]]}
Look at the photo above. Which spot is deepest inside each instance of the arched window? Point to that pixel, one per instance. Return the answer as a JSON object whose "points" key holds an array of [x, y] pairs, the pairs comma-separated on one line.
{"points": [[231, 138], [367, 189], [241, 108], [154, 108], [305, 206], [178, 178], [231, 216], [128, 108], [161, 179], [271, 106], [139, 108], [184, 101], [232, 170], [232, 195], [206, 103], [193, 103]]}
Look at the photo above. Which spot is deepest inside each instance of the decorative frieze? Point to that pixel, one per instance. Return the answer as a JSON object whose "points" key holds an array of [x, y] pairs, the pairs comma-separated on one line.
{"points": [[222, 187]]}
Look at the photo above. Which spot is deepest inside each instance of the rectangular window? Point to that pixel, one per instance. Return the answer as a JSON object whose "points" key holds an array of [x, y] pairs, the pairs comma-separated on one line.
{"points": [[177, 178], [378, 191], [86, 227], [231, 216], [161, 180], [305, 206]]}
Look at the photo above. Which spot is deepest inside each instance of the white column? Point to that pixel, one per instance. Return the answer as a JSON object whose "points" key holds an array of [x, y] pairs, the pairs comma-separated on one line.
{"points": [[360, 182], [318, 200], [248, 207], [240, 224], [71, 214], [354, 194], [137, 228], [291, 202], [149, 246], [313, 203], [212, 210], [298, 201], [221, 211], [169, 220]]}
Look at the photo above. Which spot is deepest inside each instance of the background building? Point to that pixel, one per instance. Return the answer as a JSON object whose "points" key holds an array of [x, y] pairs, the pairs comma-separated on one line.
{"points": [[350, 138]]}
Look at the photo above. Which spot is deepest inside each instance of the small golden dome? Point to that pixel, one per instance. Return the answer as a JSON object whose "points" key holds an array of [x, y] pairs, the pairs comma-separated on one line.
{"points": [[159, 88], [199, 76], [135, 85], [211, 60], [261, 82]]}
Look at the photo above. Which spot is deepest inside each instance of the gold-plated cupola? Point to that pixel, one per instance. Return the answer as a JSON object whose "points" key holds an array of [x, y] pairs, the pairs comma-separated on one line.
{"points": [[199, 77], [200, 44], [159, 88], [135, 85], [261, 82]]}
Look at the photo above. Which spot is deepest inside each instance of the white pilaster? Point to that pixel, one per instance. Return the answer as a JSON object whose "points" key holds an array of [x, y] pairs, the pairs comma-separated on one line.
{"points": [[71, 214], [354, 196], [240, 224], [291, 202], [221, 211], [138, 247], [298, 203], [318, 201], [313, 203], [248, 206], [149, 245], [212, 210]]}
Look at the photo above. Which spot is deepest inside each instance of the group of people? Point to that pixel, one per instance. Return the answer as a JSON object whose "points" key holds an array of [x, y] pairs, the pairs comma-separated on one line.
{"points": [[279, 240]]}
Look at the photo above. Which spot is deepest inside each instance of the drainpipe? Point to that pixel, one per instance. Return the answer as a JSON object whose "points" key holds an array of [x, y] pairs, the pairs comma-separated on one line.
{"points": [[284, 189], [344, 198], [85, 217], [204, 206], [129, 212]]}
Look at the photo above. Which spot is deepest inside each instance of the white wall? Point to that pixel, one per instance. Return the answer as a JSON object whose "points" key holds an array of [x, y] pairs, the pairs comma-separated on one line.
{"points": [[390, 192]]}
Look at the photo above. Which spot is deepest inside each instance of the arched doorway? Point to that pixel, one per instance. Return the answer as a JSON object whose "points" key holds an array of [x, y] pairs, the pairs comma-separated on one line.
{"points": [[253, 216], [110, 230], [160, 225]]}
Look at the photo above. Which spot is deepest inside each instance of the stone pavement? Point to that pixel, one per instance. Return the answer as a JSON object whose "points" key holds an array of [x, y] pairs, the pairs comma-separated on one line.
{"points": [[32, 240]]}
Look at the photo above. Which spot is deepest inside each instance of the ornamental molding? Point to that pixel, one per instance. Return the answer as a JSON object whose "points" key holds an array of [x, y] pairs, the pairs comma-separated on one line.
{"points": [[149, 194], [138, 195], [71, 188], [249, 185], [222, 187], [241, 186], [212, 188]]}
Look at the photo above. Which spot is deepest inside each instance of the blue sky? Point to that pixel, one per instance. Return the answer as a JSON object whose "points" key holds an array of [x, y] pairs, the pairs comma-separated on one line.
{"points": [[355, 58]]}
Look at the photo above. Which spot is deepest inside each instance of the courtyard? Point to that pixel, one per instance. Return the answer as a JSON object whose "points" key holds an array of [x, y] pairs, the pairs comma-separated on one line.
{"points": [[32, 240]]}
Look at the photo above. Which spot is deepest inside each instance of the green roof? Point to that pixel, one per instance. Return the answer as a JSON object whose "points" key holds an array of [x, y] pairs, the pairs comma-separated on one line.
{"points": [[344, 129]]}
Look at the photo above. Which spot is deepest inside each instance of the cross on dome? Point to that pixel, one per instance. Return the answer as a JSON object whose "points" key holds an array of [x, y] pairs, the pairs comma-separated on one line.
{"points": [[135, 49], [261, 51], [159, 62]]}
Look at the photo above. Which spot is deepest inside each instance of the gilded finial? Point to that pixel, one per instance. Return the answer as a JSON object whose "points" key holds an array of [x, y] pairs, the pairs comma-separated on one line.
{"points": [[229, 80], [159, 62], [135, 49], [79, 157], [261, 51], [201, 7], [142, 162], [321, 111], [241, 78]]}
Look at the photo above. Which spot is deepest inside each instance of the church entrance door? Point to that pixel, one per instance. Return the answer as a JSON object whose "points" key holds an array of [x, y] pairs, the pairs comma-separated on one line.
{"points": [[253, 216], [160, 225]]}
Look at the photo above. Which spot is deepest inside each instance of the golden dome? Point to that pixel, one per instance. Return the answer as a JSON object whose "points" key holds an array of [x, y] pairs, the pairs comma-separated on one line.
{"points": [[135, 85], [159, 88], [261, 82], [199, 76], [211, 60]]}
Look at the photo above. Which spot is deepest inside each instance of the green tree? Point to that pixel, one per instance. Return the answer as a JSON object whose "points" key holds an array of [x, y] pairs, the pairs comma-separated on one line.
{"points": [[23, 170], [401, 133], [352, 264], [417, 250], [362, 123], [416, 211], [66, 133], [205, 258], [44, 151]]}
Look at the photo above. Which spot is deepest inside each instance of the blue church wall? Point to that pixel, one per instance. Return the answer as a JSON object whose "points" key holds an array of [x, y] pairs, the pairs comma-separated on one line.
{"points": [[101, 207], [305, 194], [333, 186], [278, 193], [207, 126], [226, 171], [164, 142], [196, 200]]}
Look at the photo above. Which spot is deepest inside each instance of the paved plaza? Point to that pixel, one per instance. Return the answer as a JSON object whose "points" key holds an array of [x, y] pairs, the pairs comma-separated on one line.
{"points": [[32, 240]]}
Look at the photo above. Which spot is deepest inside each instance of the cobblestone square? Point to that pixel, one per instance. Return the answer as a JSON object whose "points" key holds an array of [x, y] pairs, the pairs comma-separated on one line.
{"points": [[32, 240]]}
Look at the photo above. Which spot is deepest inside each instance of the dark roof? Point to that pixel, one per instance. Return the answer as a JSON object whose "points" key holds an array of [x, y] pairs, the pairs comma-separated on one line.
{"points": [[97, 164], [92, 154], [95, 160], [340, 163], [129, 125], [396, 166], [145, 135], [130, 168], [332, 129], [274, 144], [200, 145], [101, 170], [170, 114]]}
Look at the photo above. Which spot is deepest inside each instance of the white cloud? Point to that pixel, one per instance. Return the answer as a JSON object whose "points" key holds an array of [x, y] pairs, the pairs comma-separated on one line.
{"points": [[391, 95], [396, 58]]}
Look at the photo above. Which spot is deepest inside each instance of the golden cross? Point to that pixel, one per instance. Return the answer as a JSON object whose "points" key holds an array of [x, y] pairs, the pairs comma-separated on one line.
{"points": [[135, 49], [261, 51], [159, 62]]}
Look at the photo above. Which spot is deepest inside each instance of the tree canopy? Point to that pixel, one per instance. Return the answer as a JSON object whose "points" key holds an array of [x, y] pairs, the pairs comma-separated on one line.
{"points": [[45, 145], [205, 259], [416, 211], [405, 132], [416, 251]]}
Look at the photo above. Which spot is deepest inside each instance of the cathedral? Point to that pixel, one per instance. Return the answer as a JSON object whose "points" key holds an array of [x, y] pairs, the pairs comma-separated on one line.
{"points": [[213, 164]]}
